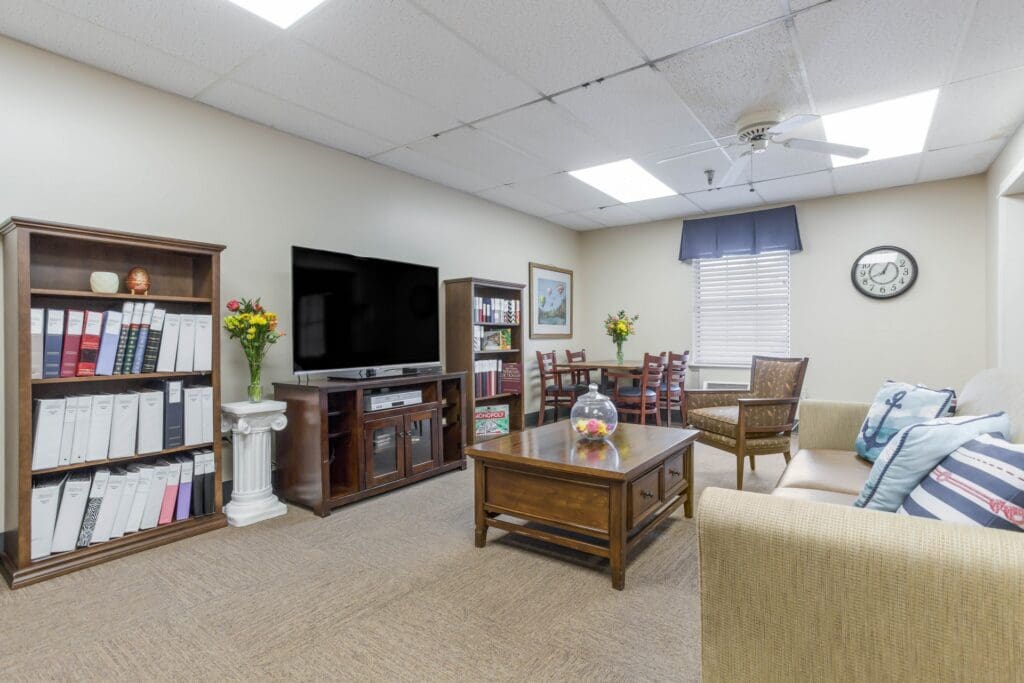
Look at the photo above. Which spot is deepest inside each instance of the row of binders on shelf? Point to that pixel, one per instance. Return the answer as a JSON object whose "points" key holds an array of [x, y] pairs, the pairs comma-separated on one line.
{"points": [[492, 377], [84, 508], [98, 427], [493, 310], [139, 338]]}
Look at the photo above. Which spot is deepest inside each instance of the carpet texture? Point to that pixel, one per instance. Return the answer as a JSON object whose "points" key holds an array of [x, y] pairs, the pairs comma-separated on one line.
{"points": [[391, 588]]}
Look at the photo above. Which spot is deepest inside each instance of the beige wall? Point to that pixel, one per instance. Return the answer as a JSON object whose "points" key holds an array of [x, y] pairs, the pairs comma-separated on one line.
{"points": [[934, 334], [1005, 197], [83, 146]]}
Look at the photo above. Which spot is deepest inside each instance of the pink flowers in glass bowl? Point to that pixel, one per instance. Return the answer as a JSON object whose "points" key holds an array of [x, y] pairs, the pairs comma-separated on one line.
{"points": [[593, 416]]}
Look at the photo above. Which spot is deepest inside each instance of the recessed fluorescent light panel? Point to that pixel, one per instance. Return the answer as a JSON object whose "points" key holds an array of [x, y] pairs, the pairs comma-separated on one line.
{"points": [[888, 129], [625, 181], [284, 13]]}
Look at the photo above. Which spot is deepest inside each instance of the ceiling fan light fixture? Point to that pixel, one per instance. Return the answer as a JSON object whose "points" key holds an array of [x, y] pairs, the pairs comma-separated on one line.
{"points": [[892, 128], [625, 181]]}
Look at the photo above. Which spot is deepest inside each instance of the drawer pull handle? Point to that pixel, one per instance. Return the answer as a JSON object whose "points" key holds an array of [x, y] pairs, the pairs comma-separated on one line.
{"points": [[644, 493], [674, 473]]}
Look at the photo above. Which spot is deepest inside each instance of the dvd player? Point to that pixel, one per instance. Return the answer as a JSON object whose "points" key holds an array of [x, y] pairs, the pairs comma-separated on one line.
{"points": [[394, 399]]}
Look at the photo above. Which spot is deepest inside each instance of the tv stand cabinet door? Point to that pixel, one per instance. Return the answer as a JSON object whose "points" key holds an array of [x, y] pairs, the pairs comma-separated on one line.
{"points": [[384, 450], [422, 439]]}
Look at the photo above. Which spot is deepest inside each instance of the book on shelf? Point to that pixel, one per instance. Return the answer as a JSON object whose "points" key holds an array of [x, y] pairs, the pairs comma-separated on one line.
{"points": [[83, 417], [184, 489], [47, 428], [487, 377], [92, 507], [100, 419], [496, 310], [133, 337], [207, 419], [497, 339], [140, 344], [124, 425], [490, 420], [202, 358], [108, 343], [90, 347], [186, 343], [108, 507], [155, 496], [127, 311], [73, 323], [168, 343], [167, 507], [511, 381], [174, 412], [208, 482], [46, 493], [67, 435], [150, 432], [53, 342], [131, 485], [72, 510], [193, 415], [36, 320], [156, 330], [138, 507]]}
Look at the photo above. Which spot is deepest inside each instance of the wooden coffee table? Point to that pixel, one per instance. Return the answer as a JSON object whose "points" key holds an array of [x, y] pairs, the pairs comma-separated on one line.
{"points": [[607, 496]]}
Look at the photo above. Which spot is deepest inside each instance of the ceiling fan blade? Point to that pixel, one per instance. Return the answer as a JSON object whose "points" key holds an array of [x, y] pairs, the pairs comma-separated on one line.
{"points": [[822, 147], [792, 123], [741, 164], [693, 153]]}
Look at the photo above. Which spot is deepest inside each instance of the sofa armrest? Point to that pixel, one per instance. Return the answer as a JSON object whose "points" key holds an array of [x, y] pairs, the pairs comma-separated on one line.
{"points": [[798, 590], [831, 424]]}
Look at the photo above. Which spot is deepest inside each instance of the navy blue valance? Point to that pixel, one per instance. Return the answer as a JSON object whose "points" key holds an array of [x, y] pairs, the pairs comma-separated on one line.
{"points": [[741, 233]]}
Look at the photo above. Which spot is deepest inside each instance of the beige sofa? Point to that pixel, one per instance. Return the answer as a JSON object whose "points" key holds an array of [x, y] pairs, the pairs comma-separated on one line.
{"points": [[799, 585]]}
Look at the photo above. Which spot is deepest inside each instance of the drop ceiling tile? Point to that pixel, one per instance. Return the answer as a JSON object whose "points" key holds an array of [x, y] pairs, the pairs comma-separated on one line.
{"points": [[687, 174], [638, 112], [520, 201], [726, 199], [574, 221], [978, 109], [796, 188], [302, 75], [481, 154], [400, 45], [411, 161], [214, 35], [618, 214], [862, 51], [661, 27], [954, 162], [876, 175], [564, 191], [50, 29], [993, 40], [665, 207], [752, 72], [262, 108], [548, 131], [551, 45], [797, 5]]}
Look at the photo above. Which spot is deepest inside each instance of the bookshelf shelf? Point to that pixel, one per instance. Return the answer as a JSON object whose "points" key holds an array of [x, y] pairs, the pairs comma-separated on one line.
{"points": [[485, 351], [495, 397], [48, 265], [497, 324]]}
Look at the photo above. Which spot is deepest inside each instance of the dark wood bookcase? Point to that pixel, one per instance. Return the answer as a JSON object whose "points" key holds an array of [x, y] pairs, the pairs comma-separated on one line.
{"points": [[47, 265], [459, 353]]}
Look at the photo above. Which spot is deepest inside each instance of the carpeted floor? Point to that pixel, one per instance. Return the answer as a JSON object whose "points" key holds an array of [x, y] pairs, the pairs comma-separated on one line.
{"points": [[388, 589]]}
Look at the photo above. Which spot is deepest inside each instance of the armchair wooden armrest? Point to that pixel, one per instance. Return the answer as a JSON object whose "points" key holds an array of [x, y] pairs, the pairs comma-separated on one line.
{"points": [[713, 398], [766, 415]]}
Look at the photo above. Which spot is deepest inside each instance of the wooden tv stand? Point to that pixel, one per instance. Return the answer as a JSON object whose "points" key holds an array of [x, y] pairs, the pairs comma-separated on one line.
{"points": [[334, 452]]}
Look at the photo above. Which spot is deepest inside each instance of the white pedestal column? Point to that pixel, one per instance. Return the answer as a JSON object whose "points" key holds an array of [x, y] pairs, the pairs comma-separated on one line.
{"points": [[251, 424]]}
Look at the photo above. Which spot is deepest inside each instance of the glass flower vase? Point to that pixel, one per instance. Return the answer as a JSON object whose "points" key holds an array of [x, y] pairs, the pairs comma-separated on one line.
{"points": [[619, 357], [594, 417], [255, 383]]}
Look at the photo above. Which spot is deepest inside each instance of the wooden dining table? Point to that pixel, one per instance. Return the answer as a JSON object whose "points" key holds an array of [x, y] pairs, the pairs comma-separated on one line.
{"points": [[606, 367]]}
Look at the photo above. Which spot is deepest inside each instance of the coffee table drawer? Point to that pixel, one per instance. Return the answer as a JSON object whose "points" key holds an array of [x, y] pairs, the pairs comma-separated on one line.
{"points": [[644, 496], [674, 480]]}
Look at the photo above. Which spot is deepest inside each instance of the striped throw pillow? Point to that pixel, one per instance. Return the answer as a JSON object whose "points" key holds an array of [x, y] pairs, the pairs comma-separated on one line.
{"points": [[981, 484]]}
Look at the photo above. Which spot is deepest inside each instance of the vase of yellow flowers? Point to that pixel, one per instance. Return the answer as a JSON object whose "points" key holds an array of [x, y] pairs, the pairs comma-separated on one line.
{"points": [[620, 327], [255, 328]]}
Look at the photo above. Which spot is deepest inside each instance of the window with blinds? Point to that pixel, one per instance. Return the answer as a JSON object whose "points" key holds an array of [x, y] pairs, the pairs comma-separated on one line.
{"points": [[740, 308]]}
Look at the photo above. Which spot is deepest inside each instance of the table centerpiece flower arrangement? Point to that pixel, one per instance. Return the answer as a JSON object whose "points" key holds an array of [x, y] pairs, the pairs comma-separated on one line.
{"points": [[255, 328], [620, 327]]}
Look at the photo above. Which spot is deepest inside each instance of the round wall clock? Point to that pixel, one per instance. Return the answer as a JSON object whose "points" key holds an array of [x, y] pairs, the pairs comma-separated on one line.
{"points": [[884, 272]]}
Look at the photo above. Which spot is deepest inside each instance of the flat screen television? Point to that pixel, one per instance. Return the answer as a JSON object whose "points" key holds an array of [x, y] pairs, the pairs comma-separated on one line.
{"points": [[352, 314]]}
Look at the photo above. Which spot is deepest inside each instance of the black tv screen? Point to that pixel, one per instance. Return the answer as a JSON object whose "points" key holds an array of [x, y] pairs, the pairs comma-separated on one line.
{"points": [[356, 312]]}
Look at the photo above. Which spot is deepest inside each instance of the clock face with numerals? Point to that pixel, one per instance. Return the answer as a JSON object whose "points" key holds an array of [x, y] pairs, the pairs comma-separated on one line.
{"points": [[884, 272]]}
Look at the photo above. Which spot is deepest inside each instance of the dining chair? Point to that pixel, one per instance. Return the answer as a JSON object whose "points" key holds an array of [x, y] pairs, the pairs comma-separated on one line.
{"points": [[673, 388], [554, 393], [579, 376], [643, 398]]}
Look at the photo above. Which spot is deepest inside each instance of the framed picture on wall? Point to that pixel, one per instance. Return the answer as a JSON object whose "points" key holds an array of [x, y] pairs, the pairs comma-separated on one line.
{"points": [[550, 302]]}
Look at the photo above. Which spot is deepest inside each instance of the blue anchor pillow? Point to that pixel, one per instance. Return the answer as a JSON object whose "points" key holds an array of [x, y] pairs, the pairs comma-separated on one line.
{"points": [[898, 405]]}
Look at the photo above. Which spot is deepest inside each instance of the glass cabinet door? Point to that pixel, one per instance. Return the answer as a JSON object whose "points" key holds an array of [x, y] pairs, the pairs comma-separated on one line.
{"points": [[421, 438], [383, 450]]}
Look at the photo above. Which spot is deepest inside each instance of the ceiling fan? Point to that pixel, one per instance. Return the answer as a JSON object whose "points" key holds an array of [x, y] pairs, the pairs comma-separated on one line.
{"points": [[756, 131]]}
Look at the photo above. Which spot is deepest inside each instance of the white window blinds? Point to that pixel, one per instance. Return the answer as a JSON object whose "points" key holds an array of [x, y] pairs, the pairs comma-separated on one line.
{"points": [[740, 308]]}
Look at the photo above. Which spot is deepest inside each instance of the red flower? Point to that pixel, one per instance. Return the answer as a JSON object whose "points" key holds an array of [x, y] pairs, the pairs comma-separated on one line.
{"points": [[233, 305]]}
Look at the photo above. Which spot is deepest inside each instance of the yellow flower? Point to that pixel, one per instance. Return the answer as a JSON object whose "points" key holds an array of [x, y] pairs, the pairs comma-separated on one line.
{"points": [[258, 320]]}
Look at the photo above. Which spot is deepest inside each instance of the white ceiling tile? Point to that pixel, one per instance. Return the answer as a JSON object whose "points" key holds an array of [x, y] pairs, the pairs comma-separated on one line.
{"points": [[863, 51], [215, 35], [954, 162], [618, 214], [752, 72], [661, 27], [476, 151], [520, 201], [796, 188], [551, 45], [876, 175], [665, 207], [564, 191], [638, 112], [686, 174], [262, 108], [50, 29], [548, 131], [797, 5], [410, 161], [575, 221], [298, 73], [726, 199], [994, 39], [400, 45], [978, 109]]}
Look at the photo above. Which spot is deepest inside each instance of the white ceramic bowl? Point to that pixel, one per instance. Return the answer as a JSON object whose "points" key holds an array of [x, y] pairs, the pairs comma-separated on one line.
{"points": [[104, 283]]}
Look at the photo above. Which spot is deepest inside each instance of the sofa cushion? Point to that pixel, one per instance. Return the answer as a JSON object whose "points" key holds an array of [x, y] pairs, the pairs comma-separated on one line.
{"points": [[993, 390], [912, 454], [980, 484], [718, 420], [826, 470], [898, 405], [816, 496]]}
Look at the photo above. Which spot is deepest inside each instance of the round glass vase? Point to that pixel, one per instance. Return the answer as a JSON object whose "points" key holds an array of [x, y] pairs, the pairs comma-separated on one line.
{"points": [[255, 383], [594, 417]]}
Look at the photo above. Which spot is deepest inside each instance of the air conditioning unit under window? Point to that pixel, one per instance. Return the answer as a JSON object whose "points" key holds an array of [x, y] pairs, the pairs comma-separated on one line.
{"points": [[730, 386]]}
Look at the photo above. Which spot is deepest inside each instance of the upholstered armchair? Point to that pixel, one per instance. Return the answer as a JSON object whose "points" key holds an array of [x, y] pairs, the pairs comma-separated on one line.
{"points": [[754, 422]]}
